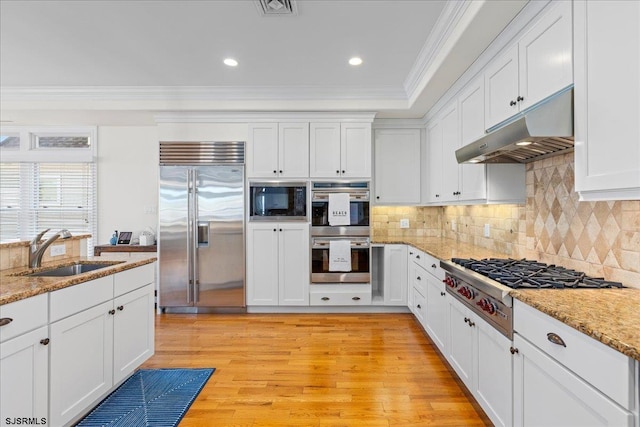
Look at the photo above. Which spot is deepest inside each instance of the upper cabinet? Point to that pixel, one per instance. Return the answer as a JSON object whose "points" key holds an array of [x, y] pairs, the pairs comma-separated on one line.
{"points": [[340, 150], [278, 150], [397, 166], [607, 99], [539, 65]]}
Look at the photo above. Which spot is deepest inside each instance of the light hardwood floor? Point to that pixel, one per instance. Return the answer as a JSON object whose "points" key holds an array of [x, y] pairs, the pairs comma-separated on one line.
{"points": [[314, 370]]}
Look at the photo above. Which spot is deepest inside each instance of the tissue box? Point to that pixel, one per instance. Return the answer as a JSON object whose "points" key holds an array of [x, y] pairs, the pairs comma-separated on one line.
{"points": [[146, 240]]}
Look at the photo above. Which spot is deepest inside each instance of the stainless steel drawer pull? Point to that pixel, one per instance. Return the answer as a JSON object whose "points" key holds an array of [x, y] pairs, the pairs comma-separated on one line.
{"points": [[555, 338], [5, 321]]}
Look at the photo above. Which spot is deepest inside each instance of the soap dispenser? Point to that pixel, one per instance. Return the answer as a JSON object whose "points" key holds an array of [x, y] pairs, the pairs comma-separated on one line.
{"points": [[114, 238]]}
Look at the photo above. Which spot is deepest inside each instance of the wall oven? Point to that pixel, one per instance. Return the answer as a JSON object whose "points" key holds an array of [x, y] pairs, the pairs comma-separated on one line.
{"points": [[277, 201], [358, 208], [360, 261]]}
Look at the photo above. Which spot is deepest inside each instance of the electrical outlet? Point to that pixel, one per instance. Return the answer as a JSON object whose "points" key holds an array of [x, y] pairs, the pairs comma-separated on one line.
{"points": [[57, 250], [487, 230], [404, 223], [453, 226]]}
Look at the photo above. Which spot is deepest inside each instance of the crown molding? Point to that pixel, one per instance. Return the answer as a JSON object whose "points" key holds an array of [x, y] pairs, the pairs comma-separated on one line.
{"points": [[256, 116], [200, 93], [445, 25]]}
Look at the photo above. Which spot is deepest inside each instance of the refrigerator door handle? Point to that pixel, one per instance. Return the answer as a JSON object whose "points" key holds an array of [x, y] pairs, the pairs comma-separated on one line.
{"points": [[189, 234], [194, 237]]}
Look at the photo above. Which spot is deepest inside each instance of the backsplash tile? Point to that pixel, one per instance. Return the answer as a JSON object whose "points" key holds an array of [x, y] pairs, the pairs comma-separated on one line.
{"points": [[553, 226]]}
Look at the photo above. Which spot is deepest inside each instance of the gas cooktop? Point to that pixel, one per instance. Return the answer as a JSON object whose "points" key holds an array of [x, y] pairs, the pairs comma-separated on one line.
{"points": [[527, 274]]}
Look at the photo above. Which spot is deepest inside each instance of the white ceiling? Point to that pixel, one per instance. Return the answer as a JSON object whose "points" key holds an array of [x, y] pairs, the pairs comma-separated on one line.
{"points": [[143, 57]]}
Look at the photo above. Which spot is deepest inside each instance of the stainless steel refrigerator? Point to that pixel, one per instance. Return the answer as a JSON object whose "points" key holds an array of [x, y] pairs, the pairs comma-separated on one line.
{"points": [[201, 225]]}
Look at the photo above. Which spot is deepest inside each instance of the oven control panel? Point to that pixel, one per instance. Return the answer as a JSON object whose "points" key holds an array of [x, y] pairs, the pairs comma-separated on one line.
{"points": [[489, 309]]}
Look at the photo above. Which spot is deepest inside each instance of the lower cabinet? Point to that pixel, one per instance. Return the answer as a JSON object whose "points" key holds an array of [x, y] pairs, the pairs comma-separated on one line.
{"points": [[436, 315], [81, 361], [24, 370], [481, 357], [395, 275], [347, 294], [278, 264]]}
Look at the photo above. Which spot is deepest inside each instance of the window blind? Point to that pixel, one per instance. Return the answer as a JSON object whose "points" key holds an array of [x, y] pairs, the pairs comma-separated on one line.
{"points": [[37, 196]]}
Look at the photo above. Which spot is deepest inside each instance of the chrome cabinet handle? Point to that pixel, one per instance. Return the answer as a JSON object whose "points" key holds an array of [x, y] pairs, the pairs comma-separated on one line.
{"points": [[5, 321], [555, 338]]}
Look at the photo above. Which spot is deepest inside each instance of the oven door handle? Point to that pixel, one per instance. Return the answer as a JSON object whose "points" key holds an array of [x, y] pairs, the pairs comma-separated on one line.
{"points": [[320, 244], [358, 197]]}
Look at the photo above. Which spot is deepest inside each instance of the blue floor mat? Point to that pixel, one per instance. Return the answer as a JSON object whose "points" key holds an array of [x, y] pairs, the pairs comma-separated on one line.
{"points": [[150, 397]]}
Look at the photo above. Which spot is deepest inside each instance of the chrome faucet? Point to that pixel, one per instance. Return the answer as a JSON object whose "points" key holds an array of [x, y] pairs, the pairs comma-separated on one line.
{"points": [[36, 251]]}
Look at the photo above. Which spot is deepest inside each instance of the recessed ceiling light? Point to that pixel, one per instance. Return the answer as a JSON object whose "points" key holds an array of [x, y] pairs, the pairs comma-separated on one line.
{"points": [[231, 62], [521, 143], [355, 61]]}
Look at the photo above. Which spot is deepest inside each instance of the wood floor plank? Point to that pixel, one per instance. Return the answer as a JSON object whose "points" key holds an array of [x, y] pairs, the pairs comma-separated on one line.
{"points": [[314, 370]]}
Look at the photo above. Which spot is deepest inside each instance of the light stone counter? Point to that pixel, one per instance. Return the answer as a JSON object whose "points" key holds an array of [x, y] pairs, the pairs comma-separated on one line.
{"points": [[14, 287], [611, 316]]}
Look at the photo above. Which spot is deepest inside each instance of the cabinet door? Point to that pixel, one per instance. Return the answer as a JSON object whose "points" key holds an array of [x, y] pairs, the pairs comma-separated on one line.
{"points": [[397, 166], [324, 145], [133, 328], [545, 55], [355, 150], [81, 360], [419, 306], [437, 312], [472, 185], [262, 264], [450, 143], [293, 150], [501, 88], [24, 369], [548, 394], [434, 161], [293, 264], [607, 99], [461, 350], [395, 275], [494, 373], [262, 150]]}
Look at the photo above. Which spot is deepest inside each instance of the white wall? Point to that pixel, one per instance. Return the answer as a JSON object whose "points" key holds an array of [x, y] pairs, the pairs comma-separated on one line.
{"points": [[127, 180], [128, 170]]}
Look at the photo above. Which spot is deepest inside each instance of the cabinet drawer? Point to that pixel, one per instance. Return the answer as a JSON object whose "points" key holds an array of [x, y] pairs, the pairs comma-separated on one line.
{"points": [[419, 308], [417, 256], [134, 278], [426, 261], [340, 295], [418, 278], [25, 315], [608, 370], [74, 299]]}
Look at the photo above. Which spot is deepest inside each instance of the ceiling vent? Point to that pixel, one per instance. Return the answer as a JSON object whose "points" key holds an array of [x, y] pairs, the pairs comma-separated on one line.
{"points": [[276, 7]]}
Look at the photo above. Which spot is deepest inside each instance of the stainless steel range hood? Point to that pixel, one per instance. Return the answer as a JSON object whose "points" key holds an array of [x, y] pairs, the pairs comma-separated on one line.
{"points": [[542, 130]]}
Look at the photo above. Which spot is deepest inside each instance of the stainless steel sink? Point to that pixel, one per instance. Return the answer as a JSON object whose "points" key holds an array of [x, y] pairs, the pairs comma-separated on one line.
{"points": [[70, 270]]}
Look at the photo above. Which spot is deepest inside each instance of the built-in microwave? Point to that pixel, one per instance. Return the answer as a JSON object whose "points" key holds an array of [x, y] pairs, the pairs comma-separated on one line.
{"points": [[277, 201]]}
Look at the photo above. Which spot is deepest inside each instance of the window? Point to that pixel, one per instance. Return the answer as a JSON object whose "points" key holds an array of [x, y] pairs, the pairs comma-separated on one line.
{"points": [[56, 194]]}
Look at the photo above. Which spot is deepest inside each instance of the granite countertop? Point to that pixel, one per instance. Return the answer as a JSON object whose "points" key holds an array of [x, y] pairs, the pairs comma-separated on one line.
{"points": [[444, 249], [611, 316], [15, 287]]}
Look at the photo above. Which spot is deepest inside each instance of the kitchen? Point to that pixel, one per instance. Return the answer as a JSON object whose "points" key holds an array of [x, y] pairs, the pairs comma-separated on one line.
{"points": [[598, 236]]}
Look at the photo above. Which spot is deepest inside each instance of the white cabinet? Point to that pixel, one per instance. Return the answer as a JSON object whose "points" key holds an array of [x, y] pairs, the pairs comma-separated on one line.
{"points": [[278, 264], [24, 373], [437, 318], [340, 150], [355, 294], [278, 150], [481, 357], [539, 65], [442, 141], [607, 99], [395, 275], [432, 192], [563, 377], [81, 361], [96, 340], [397, 166]]}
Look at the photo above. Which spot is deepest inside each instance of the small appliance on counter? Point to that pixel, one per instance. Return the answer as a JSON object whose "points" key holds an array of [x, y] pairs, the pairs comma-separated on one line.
{"points": [[147, 238]]}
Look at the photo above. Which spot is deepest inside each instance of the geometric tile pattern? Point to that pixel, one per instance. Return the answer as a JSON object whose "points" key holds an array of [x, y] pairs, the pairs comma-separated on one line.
{"points": [[150, 397]]}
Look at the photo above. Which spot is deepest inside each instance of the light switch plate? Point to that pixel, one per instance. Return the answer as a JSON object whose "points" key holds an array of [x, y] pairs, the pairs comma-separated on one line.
{"points": [[57, 250], [487, 230], [404, 223]]}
